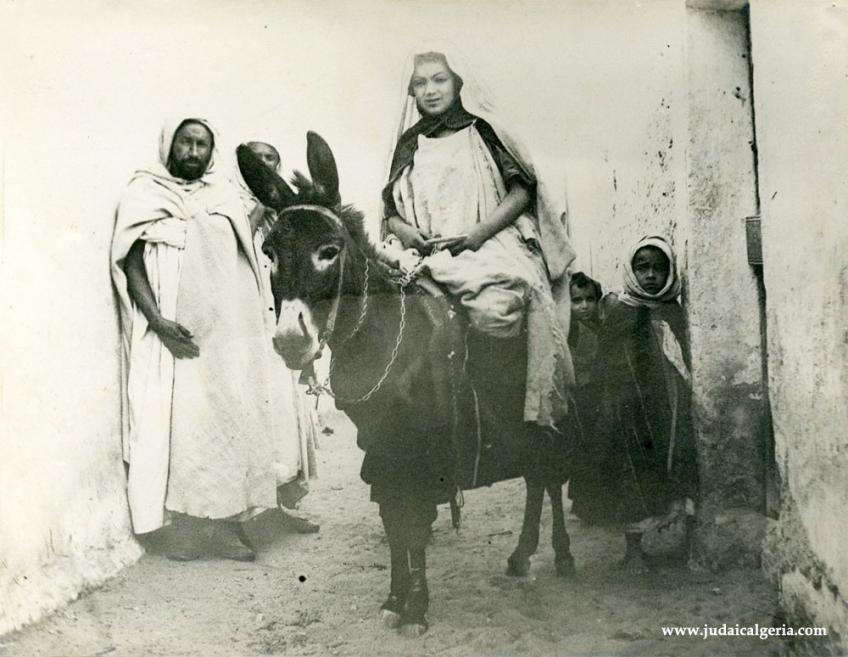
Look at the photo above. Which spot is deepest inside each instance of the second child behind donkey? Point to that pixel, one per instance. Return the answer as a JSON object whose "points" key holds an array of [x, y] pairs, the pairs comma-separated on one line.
{"points": [[586, 487], [645, 415]]}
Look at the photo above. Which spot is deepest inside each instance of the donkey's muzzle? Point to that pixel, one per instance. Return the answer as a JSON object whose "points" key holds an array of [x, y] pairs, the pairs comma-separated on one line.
{"points": [[296, 337]]}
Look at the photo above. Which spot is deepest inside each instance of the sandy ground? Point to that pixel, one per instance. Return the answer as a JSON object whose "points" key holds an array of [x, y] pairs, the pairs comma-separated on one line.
{"points": [[319, 594]]}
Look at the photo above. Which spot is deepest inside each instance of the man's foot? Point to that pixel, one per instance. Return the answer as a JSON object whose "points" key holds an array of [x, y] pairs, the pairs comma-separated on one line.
{"points": [[182, 553], [227, 544], [299, 524], [180, 541]]}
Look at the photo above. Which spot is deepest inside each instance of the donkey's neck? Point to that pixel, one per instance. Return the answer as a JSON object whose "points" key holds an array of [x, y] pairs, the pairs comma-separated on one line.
{"points": [[361, 256], [365, 293]]}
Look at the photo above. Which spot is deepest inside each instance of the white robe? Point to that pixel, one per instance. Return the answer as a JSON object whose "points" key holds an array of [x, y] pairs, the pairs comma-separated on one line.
{"points": [[198, 434], [452, 185]]}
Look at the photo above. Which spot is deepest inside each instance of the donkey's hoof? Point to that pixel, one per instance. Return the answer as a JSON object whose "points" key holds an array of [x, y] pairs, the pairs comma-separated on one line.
{"points": [[414, 630], [517, 566], [390, 619], [391, 610], [565, 569]]}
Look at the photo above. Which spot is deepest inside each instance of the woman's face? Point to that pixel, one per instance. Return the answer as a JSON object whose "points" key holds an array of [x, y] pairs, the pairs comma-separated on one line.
{"points": [[433, 86], [651, 267]]}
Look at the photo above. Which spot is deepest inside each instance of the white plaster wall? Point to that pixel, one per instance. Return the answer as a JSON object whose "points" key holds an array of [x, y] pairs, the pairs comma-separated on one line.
{"points": [[595, 88], [721, 293], [63, 518], [801, 92], [631, 181]]}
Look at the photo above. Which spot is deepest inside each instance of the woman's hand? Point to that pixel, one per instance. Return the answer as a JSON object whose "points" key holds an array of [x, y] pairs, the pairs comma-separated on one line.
{"points": [[505, 214], [410, 236], [472, 241], [176, 338]]}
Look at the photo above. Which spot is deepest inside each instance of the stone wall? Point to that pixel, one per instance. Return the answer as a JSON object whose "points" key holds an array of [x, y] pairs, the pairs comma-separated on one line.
{"points": [[721, 292], [801, 89]]}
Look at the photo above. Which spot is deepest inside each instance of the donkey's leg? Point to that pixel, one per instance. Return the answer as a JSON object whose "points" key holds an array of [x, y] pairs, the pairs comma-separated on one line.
{"points": [[563, 561], [396, 534], [518, 564], [418, 599]]}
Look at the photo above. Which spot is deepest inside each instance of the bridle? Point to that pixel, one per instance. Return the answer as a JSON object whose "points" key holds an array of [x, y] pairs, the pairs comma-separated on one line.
{"points": [[315, 388]]}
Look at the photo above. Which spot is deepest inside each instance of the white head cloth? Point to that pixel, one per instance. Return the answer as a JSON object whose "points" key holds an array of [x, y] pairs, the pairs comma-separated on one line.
{"points": [[245, 193], [166, 139], [477, 99], [634, 294]]}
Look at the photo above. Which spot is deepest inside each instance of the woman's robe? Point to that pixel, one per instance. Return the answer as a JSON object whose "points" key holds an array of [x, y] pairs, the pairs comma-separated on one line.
{"points": [[452, 184]]}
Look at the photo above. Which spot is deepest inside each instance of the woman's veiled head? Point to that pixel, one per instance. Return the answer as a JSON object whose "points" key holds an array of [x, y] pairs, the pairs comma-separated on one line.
{"points": [[434, 85]]}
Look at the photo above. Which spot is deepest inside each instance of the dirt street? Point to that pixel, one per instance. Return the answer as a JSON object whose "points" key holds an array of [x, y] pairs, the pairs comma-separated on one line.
{"points": [[319, 594]]}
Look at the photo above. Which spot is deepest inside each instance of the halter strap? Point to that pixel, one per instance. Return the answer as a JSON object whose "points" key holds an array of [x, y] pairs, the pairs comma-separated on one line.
{"points": [[334, 308], [319, 209], [332, 216]]}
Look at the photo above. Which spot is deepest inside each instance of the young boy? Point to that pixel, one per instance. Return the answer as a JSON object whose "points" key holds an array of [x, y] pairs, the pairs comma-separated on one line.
{"points": [[585, 323], [585, 488], [645, 421]]}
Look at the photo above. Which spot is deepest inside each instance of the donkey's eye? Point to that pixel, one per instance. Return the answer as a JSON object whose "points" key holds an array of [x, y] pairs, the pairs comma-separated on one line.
{"points": [[328, 252]]}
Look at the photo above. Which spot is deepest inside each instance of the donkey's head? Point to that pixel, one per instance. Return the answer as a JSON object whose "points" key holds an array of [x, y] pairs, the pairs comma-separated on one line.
{"points": [[307, 247]]}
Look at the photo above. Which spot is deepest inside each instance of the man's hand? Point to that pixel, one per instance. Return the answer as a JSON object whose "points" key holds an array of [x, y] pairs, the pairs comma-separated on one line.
{"points": [[256, 216], [176, 338]]}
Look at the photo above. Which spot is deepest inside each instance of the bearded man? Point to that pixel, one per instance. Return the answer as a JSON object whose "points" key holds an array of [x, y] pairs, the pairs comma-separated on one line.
{"points": [[198, 422]]}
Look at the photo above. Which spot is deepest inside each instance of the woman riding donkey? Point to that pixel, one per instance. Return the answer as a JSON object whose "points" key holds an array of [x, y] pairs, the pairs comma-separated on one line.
{"points": [[425, 434], [463, 192]]}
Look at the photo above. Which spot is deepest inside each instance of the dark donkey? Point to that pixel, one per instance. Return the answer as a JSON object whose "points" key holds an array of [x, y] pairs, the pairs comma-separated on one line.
{"points": [[438, 408]]}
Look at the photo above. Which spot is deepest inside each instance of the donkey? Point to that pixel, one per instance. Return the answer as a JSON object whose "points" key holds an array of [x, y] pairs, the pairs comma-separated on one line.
{"points": [[437, 407]]}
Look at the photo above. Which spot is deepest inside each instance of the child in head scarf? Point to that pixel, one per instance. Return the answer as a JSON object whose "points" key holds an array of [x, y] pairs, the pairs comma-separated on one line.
{"points": [[645, 416]]}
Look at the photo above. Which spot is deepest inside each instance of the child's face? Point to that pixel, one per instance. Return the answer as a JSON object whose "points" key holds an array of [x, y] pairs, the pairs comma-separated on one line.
{"points": [[584, 303], [651, 268]]}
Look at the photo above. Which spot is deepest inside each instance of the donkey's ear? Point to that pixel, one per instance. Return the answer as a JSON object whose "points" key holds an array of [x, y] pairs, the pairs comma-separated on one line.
{"points": [[264, 183], [322, 166]]}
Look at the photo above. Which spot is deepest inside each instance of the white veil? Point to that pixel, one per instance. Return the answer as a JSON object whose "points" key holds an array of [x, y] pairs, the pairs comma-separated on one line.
{"points": [[551, 212]]}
